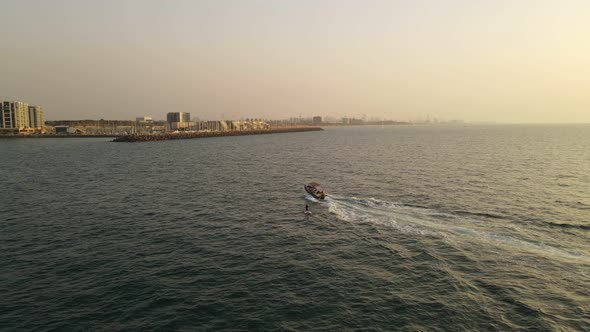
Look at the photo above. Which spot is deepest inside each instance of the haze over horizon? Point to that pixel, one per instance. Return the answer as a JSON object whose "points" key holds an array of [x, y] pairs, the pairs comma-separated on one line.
{"points": [[500, 61]]}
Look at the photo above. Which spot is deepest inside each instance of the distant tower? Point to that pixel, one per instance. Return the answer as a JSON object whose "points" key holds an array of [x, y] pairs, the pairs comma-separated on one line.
{"points": [[178, 120]]}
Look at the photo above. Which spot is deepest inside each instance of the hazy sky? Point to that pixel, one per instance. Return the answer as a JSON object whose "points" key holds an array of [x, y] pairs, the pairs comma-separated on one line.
{"points": [[497, 60]]}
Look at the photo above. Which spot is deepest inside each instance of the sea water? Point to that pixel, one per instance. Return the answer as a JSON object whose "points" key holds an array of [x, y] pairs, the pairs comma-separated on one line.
{"points": [[425, 228]]}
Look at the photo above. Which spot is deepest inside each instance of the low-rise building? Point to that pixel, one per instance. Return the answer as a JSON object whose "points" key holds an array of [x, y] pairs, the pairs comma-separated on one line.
{"points": [[61, 129], [144, 119], [67, 130]]}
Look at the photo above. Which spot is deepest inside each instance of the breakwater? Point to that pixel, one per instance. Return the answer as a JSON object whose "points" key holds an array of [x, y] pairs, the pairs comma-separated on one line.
{"points": [[201, 134], [56, 136]]}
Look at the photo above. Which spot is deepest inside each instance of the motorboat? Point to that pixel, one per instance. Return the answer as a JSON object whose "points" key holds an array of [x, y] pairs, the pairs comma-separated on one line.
{"points": [[315, 190]]}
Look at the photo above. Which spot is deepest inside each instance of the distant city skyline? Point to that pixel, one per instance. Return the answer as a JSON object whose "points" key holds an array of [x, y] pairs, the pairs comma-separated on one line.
{"points": [[480, 61]]}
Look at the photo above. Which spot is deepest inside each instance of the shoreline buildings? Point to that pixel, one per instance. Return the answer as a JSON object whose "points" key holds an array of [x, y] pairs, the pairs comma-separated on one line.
{"points": [[18, 116], [180, 121]]}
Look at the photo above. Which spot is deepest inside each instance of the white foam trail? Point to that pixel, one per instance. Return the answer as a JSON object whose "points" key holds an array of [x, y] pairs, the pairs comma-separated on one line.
{"points": [[423, 221], [372, 211]]}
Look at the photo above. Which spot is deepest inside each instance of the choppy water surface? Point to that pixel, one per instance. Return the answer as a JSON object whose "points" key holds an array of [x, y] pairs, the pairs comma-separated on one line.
{"points": [[427, 228]]}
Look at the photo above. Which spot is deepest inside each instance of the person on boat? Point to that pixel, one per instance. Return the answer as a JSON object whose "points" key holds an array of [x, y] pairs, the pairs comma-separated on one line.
{"points": [[306, 208]]}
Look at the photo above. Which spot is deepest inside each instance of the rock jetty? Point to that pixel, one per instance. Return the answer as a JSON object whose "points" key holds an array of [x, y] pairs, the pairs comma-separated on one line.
{"points": [[203, 134]]}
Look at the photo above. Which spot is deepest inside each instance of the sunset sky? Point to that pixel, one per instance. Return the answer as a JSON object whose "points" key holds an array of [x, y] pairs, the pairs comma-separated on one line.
{"points": [[497, 60]]}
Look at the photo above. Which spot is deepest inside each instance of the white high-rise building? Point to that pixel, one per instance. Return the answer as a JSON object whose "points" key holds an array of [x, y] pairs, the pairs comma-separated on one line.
{"points": [[15, 115], [36, 117]]}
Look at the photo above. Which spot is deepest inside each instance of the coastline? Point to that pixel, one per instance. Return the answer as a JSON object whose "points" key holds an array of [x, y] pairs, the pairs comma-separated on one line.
{"points": [[167, 136]]}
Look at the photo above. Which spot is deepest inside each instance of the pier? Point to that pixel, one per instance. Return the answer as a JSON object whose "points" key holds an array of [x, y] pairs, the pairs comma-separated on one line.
{"points": [[203, 134]]}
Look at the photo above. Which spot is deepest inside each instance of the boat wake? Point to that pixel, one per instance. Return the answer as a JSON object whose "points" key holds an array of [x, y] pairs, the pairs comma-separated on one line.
{"points": [[407, 219], [421, 221]]}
